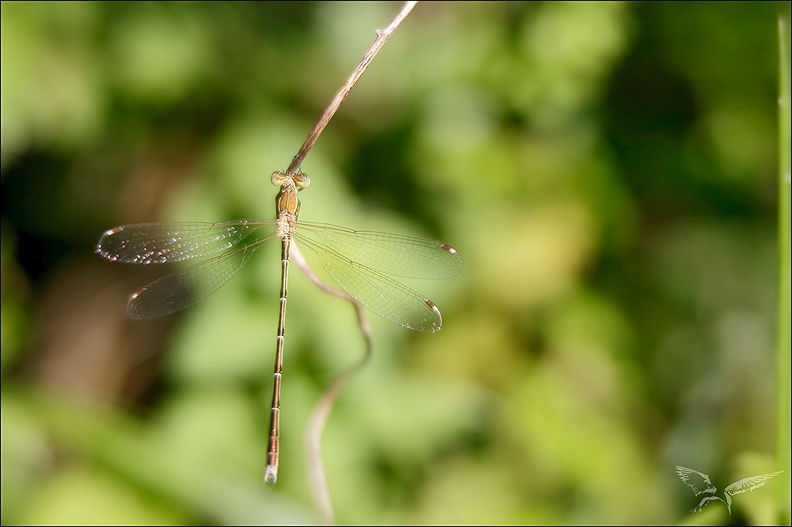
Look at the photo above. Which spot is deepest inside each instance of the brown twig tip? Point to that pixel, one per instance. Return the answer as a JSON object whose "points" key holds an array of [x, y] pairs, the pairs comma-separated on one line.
{"points": [[382, 36]]}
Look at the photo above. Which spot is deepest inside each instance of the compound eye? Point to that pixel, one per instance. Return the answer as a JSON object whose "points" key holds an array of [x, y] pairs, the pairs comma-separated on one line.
{"points": [[278, 178], [301, 180]]}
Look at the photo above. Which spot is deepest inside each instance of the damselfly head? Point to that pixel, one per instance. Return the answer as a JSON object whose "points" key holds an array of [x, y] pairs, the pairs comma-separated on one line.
{"points": [[300, 180]]}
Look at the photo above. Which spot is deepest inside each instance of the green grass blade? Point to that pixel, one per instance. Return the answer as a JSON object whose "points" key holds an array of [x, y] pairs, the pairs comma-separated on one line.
{"points": [[784, 310]]}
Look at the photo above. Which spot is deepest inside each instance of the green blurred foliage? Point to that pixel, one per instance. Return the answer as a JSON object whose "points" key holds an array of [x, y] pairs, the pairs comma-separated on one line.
{"points": [[607, 170]]}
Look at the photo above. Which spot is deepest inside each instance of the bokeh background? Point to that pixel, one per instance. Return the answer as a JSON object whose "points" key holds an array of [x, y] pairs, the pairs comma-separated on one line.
{"points": [[607, 170]]}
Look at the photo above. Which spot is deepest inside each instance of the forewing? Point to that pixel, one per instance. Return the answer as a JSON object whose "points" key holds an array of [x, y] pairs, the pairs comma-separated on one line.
{"points": [[157, 243], [393, 254]]}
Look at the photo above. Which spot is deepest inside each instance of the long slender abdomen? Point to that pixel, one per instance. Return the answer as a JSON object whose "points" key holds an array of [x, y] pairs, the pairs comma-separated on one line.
{"points": [[271, 473]]}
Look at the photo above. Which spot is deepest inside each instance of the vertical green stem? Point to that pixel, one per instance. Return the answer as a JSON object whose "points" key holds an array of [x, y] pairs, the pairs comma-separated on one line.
{"points": [[784, 310]]}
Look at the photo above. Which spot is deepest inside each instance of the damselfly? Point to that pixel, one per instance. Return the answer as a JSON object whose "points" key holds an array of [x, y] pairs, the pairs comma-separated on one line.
{"points": [[359, 261]]}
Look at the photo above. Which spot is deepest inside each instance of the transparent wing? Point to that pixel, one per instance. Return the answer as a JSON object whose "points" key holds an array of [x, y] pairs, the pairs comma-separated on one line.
{"points": [[355, 259], [157, 243], [392, 254], [382, 295], [184, 288]]}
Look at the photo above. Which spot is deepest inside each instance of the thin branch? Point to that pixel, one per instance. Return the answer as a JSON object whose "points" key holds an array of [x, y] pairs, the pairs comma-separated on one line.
{"points": [[318, 419], [382, 36], [318, 480]]}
